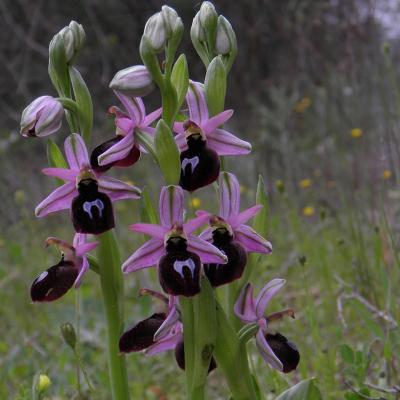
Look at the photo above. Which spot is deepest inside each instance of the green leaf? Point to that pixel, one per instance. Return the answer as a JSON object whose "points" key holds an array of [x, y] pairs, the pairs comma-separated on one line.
{"points": [[167, 153], [304, 390], [347, 354], [84, 101], [147, 211], [58, 67], [215, 86], [55, 156], [180, 79], [260, 220], [147, 142]]}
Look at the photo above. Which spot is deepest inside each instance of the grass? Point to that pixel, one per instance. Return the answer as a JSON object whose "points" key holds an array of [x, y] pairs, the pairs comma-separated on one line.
{"points": [[342, 272]]}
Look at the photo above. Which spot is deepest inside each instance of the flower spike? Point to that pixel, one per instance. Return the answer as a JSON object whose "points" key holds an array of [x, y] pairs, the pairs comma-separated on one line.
{"points": [[276, 350]]}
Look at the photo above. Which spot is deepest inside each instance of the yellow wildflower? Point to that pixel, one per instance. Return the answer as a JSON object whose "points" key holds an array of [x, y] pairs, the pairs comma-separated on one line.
{"points": [[386, 174], [305, 183], [302, 105], [195, 202], [356, 132], [308, 211], [44, 383]]}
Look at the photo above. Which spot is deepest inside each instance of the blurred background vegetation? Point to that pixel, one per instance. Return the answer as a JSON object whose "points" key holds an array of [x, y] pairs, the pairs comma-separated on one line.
{"points": [[315, 88]]}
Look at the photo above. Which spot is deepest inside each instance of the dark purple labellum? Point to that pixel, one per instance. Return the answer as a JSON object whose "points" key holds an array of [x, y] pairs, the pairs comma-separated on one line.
{"points": [[129, 160], [199, 165], [180, 357], [91, 210], [286, 351], [141, 336], [179, 269], [220, 274], [55, 282]]}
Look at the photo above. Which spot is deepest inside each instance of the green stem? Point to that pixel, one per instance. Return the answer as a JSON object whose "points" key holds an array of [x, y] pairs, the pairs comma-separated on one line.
{"points": [[231, 357], [112, 291]]}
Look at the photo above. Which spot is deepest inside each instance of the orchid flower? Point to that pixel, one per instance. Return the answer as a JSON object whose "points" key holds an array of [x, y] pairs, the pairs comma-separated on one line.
{"points": [[86, 193], [57, 280], [274, 347], [230, 234], [158, 333], [124, 150], [201, 141], [174, 247]]}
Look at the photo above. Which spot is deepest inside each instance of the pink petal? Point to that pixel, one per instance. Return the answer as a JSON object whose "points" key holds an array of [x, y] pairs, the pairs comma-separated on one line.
{"points": [[156, 231], [76, 151], [226, 144], [118, 151], [196, 102], [171, 206], [125, 124], [85, 248], [251, 240], [206, 235], [214, 122], [150, 118], [149, 130], [134, 106], [229, 195], [168, 343], [178, 127], [180, 140], [82, 271], [266, 294], [118, 190], [208, 253], [79, 238], [145, 256], [244, 216], [266, 351], [165, 328], [62, 173], [244, 307], [195, 223], [59, 199]]}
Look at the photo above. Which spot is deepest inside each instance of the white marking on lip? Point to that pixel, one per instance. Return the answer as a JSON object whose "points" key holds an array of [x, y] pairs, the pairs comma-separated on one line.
{"points": [[42, 276], [193, 162], [188, 263], [87, 207]]}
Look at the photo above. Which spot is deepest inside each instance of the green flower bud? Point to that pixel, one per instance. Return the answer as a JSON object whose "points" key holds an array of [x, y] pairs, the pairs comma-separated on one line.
{"points": [[74, 39], [223, 40], [207, 15], [133, 81], [197, 32], [171, 18], [43, 383], [68, 334], [155, 32]]}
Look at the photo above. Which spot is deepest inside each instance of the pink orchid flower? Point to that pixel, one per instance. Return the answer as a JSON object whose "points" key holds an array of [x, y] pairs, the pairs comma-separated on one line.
{"points": [[221, 141], [173, 246], [124, 150], [79, 171], [57, 280], [276, 350], [229, 213]]}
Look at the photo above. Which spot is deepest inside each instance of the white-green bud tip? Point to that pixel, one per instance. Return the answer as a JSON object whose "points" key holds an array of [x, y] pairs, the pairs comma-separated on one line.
{"points": [[133, 81], [155, 32], [74, 39]]}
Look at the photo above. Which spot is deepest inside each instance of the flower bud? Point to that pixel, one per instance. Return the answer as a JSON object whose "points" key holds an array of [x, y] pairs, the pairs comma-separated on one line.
{"points": [[197, 32], [225, 39], [171, 19], [155, 32], [207, 15], [74, 39], [42, 117], [43, 383], [68, 334], [135, 81]]}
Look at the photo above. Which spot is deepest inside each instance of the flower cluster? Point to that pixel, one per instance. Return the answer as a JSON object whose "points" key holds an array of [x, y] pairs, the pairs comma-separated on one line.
{"points": [[211, 248]]}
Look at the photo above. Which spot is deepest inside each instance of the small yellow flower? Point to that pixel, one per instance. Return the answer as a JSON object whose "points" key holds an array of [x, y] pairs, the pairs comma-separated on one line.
{"points": [[302, 105], [387, 174], [280, 185], [305, 183], [44, 383], [195, 202], [308, 211], [356, 132]]}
